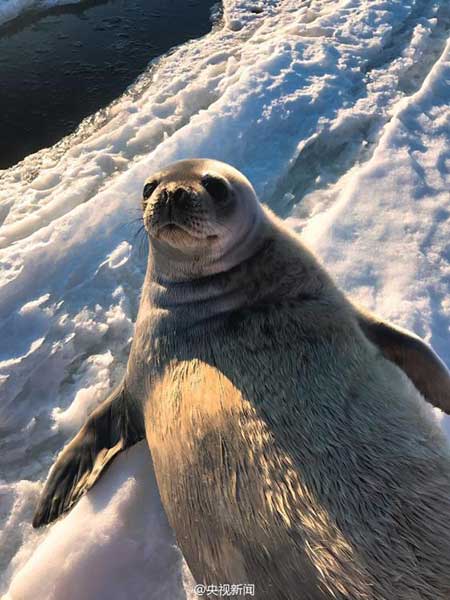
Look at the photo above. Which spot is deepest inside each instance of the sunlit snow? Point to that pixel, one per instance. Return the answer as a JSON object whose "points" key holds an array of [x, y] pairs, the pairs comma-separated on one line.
{"points": [[338, 112], [10, 9]]}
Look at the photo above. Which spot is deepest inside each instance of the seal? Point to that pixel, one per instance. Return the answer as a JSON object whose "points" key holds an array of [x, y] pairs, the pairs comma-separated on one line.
{"points": [[291, 438]]}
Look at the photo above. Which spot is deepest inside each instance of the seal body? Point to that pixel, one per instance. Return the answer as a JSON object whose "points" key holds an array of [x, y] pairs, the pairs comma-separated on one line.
{"points": [[292, 446], [290, 454]]}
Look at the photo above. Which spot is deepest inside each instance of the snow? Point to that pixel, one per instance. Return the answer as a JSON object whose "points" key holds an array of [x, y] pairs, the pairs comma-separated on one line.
{"points": [[337, 110], [10, 9], [392, 218], [123, 537]]}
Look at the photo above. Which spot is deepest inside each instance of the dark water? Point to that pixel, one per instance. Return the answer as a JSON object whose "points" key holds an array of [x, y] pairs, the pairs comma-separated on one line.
{"points": [[58, 68]]}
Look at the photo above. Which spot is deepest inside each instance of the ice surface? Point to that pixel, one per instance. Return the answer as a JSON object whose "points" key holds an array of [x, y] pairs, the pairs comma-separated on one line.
{"points": [[10, 9], [337, 110]]}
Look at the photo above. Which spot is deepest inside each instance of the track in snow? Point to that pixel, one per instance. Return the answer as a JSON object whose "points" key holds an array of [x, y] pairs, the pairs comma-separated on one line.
{"points": [[306, 100]]}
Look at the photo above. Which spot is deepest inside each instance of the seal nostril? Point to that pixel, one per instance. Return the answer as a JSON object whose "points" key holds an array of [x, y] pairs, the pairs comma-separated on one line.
{"points": [[181, 197], [178, 194], [216, 187]]}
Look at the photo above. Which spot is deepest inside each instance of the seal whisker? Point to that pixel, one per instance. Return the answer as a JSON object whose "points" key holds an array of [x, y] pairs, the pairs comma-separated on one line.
{"points": [[141, 236]]}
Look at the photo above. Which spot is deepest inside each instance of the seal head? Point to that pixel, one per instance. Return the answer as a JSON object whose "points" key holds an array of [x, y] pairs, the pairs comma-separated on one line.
{"points": [[202, 217]]}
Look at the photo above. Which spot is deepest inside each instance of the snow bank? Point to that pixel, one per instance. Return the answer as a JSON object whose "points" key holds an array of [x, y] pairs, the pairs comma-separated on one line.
{"points": [[336, 113], [115, 539], [387, 237], [10, 9]]}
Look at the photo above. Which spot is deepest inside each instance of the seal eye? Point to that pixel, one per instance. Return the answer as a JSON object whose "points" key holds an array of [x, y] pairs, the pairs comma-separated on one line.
{"points": [[149, 188], [216, 187]]}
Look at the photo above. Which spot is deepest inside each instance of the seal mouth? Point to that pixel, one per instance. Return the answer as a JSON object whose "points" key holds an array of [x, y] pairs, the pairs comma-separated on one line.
{"points": [[175, 230], [171, 227]]}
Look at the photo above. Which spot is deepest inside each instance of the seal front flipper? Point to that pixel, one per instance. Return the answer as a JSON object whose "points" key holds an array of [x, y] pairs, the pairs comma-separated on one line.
{"points": [[419, 362], [111, 428]]}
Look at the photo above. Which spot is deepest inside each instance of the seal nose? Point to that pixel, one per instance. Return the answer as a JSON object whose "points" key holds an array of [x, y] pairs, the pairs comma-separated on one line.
{"points": [[181, 197], [173, 203]]}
